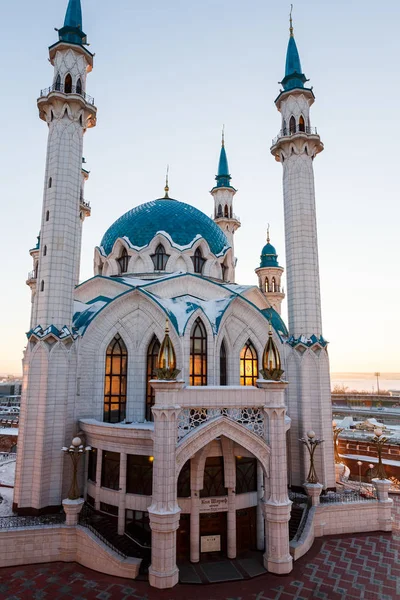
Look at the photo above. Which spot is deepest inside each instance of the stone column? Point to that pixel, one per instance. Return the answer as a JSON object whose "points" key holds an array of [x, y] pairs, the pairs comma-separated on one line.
{"points": [[313, 491], [164, 512], [195, 527], [98, 478], [385, 504], [277, 506], [122, 493], [260, 516], [231, 524]]}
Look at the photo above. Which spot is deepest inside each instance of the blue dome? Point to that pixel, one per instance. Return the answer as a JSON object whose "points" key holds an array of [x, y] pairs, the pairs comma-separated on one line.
{"points": [[269, 257], [180, 221]]}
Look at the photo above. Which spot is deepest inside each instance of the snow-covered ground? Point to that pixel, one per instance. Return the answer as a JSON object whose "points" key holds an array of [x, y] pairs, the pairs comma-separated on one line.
{"points": [[7, 473], [7, 476]]}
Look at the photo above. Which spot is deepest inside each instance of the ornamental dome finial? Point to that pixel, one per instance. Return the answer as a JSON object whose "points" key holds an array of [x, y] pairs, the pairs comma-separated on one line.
{"points": [[166, 189], [166, 358], [268, 240], [271, 359], [291, 21]]}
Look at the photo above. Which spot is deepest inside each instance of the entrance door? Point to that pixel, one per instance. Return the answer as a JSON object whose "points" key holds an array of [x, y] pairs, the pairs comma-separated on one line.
{"points": [[213, 524], [246, 525], [183, 538]]}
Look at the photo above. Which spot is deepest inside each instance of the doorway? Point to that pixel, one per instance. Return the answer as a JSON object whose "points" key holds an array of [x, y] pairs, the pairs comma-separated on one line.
{"points": [[246, 530], [213, 525]]}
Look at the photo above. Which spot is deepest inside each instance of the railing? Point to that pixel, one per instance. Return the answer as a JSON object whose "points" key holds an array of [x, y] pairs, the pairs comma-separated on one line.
{"points": [[31, 275], [70, 89], [220, 215], [85, 517], [7, 456], [251, 418], [84, 204], [348, 496], [293, 131], [12, 522]]}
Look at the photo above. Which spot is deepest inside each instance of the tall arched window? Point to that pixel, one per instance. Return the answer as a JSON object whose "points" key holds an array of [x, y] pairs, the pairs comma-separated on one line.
{"points": [[284, 130], [273, 285], [160, 258], [222, 365], [41, 285], [115, 381], [219, 213], [57, 85], [226, 211], [47, 215], [50, 182], [302, 125], [198, 354], [45, 251], [248, 365], [68, 84], [198, 261], [292, 125], [152, 365], [79, 86], [123, 261], [266, 284]]}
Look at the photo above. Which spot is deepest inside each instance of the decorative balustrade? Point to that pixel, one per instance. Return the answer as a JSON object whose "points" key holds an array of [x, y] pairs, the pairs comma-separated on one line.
{"points": [[294, 131], [67, 89], [252, 418], [31, 275]]}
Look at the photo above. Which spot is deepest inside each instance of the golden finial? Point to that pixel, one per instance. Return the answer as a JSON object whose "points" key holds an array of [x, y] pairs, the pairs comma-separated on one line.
{"points": [[223, 135], [166, 189], [268, 234], [291, 21]]}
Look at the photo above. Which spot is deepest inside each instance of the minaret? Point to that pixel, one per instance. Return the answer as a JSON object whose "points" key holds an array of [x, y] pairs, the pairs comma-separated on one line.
{"points": [[309, 396], [269, 275], [50, 377], [68, 111], [223, 194]]}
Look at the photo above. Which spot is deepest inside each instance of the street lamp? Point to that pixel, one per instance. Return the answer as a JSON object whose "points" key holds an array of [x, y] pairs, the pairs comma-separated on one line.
{"points": [[75, 451], [379, 440], [311, 443], [336, 432], [377, 375], [359, 462]]}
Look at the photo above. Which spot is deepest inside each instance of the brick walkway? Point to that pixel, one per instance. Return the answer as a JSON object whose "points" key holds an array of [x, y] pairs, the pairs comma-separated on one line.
{"points": [[337, 568]]}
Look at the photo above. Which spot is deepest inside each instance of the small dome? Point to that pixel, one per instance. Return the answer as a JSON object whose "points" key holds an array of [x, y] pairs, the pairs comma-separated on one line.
{"points": [[269, 257], [180, 221]]}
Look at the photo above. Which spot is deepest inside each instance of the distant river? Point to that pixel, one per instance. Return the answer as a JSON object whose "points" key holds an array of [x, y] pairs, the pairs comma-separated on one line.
{"points": [[366, 381]]}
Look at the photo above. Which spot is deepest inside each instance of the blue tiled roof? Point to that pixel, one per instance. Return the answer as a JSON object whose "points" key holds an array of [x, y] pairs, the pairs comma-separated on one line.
{"points": [[276, 321], [72, 30], [180, 221], [269, 257], [223, 178]]}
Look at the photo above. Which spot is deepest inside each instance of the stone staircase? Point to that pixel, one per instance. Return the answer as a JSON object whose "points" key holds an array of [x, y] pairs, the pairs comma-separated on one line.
{"points": [[295, 519]]}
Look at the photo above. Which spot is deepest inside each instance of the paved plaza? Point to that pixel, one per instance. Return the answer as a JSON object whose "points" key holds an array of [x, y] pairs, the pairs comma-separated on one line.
{"points": [[337, 568]]}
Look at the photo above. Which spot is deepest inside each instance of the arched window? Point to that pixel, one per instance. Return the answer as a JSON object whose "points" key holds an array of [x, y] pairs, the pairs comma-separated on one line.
{"points": [[36, 270], [47, 215], [266, 284], [198, 354], [123, 261], [57, 85], [284, 130], [302, 125], [226, 211], [230, 212], [50, 182], [248, 365], [160, 258], [45, 251], [42, 286], [273, 285], [219, 213], [68, 84], [198, 261], [79, 86], [115, 381], [292, 125], [152, 365], [222, 365]]}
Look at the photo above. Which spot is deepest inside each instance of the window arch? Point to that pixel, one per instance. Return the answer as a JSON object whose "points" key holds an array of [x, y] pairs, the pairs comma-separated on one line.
{"points": [[273, 285], [302, 125], [68, 84], [115, 381], [45, 251], [266, 284], [248, 365], [58, 83], [36, 269], [47, 215], [123, 261], [226, 211], [42, 286], [198, 354], [198, 261], [152, 365], [79, 86], [50, 182], [292, 125], [284, 127], [219, 213], [160, 258], [222, 365]]}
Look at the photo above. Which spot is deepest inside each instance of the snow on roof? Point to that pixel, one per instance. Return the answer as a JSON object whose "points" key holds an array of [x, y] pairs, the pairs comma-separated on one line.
{"points": [[8, 430]]}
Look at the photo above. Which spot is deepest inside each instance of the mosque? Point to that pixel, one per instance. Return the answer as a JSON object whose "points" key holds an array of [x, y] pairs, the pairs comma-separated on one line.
{"points": [[189, 389]]}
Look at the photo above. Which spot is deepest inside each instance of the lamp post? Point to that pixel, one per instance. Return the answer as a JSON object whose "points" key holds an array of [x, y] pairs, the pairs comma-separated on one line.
{"points": [[311, 443], [379, 440], [336, 432], [359, 462], [75, 451], [377, 375]]}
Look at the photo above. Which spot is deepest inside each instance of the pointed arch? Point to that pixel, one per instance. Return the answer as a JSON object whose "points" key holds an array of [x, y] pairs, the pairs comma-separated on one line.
{"points": [[302, 124], [292, 125], [223, 371], [123, 261], [115, 381], [160, 258], [267, 285], [198, 354], [219, 212], [248, 364], [57, 85], [226, 211], [273, 285], [79, 86], [151, 365], [68, 84], [198, 261]]}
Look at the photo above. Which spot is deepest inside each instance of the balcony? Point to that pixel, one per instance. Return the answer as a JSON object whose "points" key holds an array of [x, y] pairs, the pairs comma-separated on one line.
{"points": [[299, 129], [31, 276], [70, 89]]}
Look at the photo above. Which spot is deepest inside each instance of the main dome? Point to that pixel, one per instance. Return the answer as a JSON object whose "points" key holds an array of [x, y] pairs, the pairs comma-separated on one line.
{"points": [[180, 221]]}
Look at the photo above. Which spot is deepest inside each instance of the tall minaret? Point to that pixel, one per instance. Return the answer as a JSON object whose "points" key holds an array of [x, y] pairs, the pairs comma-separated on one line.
{"points": [[269, 275], [309, 396], [49, 382], [223, 194], [68, 111]]}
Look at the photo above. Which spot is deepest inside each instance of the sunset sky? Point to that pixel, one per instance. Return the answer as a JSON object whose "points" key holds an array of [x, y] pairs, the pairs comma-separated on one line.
{"points": [[167, 75]]}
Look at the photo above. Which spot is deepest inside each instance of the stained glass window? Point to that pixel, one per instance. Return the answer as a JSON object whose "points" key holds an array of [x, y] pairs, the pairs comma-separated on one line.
{"points": [[115, 381], [248, 365], [198, 354]]}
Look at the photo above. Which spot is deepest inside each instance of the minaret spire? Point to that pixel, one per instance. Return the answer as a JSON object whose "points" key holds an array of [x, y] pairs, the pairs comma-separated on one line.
{"points": [[291, 21], [72, 30], [166, 189]]}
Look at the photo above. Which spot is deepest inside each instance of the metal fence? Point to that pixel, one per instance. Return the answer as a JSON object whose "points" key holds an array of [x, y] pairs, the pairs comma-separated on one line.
{"points": [[85, 519], [17, 521], [348, 496], [7, 456], [67, 89]]}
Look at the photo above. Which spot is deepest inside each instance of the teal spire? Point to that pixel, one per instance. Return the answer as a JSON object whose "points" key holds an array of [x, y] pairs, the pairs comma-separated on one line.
{"points": [[223, 178], [72, 30], [294, 78]]}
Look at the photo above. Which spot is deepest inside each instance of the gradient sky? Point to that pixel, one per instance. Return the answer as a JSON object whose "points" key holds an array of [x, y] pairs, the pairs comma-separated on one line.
{"points": [[167, 76]]}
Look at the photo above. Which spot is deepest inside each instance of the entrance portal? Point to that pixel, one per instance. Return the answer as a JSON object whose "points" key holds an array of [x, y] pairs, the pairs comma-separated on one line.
{"points": [[213, 533], [246, 529]]}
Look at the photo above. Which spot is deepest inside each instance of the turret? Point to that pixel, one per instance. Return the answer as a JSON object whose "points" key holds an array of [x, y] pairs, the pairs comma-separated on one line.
{"points": [[269, 275]]}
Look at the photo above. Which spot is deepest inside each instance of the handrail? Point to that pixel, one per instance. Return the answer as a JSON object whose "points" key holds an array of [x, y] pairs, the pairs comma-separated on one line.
{"points": [[70, 89], [287, 132]]}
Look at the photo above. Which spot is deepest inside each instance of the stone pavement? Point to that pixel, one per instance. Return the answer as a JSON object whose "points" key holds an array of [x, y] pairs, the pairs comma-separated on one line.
{"points": [[337, 568]]}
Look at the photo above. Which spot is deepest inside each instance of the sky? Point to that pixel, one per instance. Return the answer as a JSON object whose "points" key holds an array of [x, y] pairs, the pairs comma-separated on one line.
{"points": [[167, 75]]}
